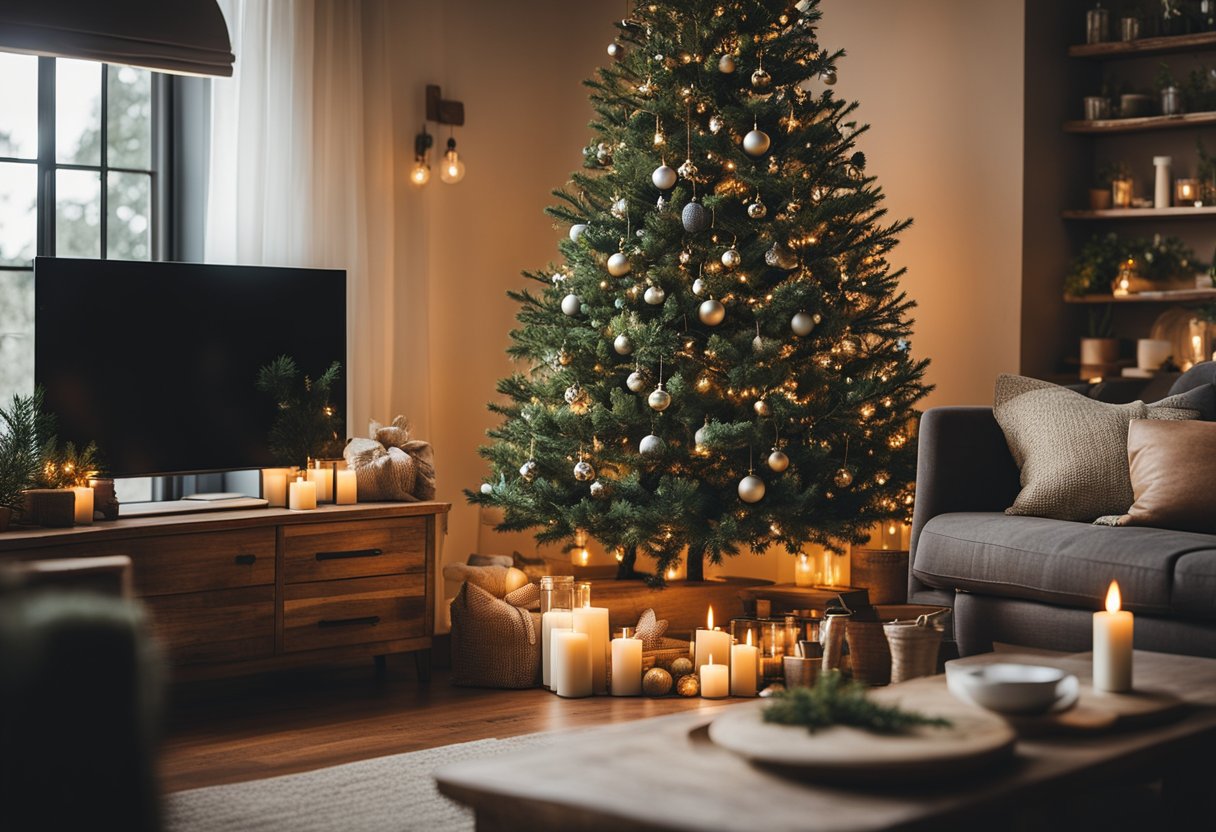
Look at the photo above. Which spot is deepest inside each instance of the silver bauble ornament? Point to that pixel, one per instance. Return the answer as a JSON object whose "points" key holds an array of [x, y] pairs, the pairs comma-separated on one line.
{"points": [[762, 408], [637, 381], [698, 286], [616, 51], [761, 80], [757, 210], [572, 304], [843, 478], [622, 344], [583, 472], [756, 143], [598, 489], [758, 344], [778, 461], [802, 324], [694, 217], [620, 208], [751, 489], [654, 295], [659, 399], [486, 488], [726, 64], [828, 76], [618, 265], [688, 169], [716, 123], [701, 435], [664, 177], [603, 154], [651, 444], [528, 470], [711, 312], [731, 258], [577, 230], [781, 257]]}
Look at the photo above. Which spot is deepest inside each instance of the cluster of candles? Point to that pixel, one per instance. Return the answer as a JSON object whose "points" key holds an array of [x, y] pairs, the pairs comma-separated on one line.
{"points": [[317, 484]]}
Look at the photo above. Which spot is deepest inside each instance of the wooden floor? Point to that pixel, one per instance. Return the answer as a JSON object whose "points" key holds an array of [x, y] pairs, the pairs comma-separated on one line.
{"points": [[232, 730]]}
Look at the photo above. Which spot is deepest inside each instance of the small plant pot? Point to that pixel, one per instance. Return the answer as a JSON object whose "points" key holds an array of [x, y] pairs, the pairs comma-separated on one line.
{"points": [[1097, 351], [1099, 199]]}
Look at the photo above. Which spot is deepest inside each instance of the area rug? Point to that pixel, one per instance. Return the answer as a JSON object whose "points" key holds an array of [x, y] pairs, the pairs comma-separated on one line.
{"points": [[385, 794]]}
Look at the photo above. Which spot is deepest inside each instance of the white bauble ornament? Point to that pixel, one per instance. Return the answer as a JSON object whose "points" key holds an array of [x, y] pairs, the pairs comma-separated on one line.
{"points": [[654, 295], [651, 444], [664, 177], [757, 210], [756, 143], [486, 488], [572, 304], [762, 408], [726, 64], [616, 51], [698, 286], [659, 399], [684, 257], [622, 344], [802, 324], [758, 344], [711, 312], [577, 230], [751, 489], [620, 208], [828, 76], [701, 435], [528, 470], [716, 124], [603, 154], [778, 461], [731, 258], [583, 472], [637, 381], [761, 80], [618, 265], [598, 489], [694, 217], [843, 478]]}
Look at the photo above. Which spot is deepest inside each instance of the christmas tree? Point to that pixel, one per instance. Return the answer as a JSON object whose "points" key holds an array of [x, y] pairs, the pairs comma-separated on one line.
{"points": [[721, 362]]}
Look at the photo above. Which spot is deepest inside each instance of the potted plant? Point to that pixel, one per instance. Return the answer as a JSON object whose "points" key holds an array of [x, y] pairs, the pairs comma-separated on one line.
{"points": [[1168, 89], [22, 427]]}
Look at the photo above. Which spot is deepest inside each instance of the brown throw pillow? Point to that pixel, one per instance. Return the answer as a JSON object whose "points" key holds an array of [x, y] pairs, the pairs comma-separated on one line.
{"points": [[1171, 468]]}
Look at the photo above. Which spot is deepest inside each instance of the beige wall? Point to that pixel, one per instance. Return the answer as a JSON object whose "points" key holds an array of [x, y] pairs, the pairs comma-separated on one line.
{"points": [[940, 81]]}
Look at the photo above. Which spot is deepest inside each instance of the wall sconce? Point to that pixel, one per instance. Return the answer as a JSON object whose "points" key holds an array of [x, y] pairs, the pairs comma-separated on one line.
{"points": [[452, 169], [420, 173], [451, 113]]}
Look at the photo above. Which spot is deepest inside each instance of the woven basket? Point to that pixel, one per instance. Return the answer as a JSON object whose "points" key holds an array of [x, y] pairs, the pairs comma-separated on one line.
{"points": [[870, 654], [494, 643], [882, 571], [913, 650], [671, 649]]}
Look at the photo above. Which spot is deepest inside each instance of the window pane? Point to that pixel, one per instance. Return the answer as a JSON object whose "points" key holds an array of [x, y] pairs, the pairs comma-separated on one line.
{"points": [[129, 112], [16, 334], [18, 213], [18, 105], [77, 213], [77, 112], [129, 226]]}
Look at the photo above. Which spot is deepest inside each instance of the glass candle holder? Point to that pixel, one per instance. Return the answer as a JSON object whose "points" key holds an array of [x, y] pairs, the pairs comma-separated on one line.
{"points": [[772, 649], [556, 612], [1186, 193], [582, 594]]}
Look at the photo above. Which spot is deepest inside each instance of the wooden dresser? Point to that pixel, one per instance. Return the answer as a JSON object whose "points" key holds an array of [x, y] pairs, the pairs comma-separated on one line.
{"points": [[246, 590]]}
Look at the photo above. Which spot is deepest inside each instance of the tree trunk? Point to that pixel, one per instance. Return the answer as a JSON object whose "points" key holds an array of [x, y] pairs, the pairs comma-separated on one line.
{"points": [[625, 569], [694, 562]]}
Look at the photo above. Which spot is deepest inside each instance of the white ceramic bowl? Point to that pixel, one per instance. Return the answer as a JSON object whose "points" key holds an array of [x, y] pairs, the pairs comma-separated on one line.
{"points": [[1010, 688]]}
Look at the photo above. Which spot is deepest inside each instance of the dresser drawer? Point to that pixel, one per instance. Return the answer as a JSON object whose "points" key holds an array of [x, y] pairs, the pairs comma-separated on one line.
{"points": [[226, 625], [355, 611], [354, 549]]}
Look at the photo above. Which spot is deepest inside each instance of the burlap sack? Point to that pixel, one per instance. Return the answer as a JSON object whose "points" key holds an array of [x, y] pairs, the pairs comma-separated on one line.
{"points": [[495, 641], [390, 465]]}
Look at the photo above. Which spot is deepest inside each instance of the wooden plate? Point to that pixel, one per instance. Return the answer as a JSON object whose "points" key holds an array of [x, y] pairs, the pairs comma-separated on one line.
{"points": [[849, 755]]}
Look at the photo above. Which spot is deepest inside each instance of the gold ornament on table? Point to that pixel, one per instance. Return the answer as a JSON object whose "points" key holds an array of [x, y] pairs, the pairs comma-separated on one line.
{"points": [[656, 682], [688, 686], [682, 667]]}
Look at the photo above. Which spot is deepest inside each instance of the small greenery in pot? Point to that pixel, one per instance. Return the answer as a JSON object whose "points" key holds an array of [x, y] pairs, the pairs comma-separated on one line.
{"points": [[23, 446], [1157, 259]]}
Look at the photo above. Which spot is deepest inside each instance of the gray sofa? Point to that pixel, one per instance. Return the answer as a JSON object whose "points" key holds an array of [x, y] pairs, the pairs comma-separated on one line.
{"points": [[1036, 582]]}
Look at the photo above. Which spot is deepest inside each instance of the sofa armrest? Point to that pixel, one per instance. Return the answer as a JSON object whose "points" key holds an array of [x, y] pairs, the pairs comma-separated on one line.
{"points": [[963, 464]]}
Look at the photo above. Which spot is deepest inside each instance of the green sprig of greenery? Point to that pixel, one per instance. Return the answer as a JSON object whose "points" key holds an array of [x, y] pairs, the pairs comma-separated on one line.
{"points": [[306, 425], [834, 701]]}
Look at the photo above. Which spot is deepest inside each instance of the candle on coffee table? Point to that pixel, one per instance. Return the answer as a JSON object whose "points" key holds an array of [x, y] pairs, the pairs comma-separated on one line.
{"points": [[711, 640], [626, 664], [743, 668], [715, 680], [1113, 645]]}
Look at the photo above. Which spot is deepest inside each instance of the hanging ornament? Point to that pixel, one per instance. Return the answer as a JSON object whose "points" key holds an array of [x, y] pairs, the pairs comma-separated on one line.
{"points": [[577, 230], [711, 312], [564, 357], [577, 397], [778, 461], [598, 489], [695, 217], [486, 488], [761, 80], [698, 286], [620, 208], [659, 399], [802, 324], [654, 295], [660, 204], [583, 472], [762, 408], [684, 257], [688, 169], [622, 344], [701, 435], [756, 142], [843, 478], [651, 444], [716, 124], [664, 177], [528, 470], [572, 304], [757, 210], [603, 154], [828, 76], [731, 258], [781, 257], [726, 64], [751, 489], [637, 381], [616, 50], [618, 265]]}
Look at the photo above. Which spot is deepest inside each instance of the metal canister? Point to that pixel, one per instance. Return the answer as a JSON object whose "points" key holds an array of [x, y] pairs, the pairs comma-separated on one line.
{"points": [[1097, 24], [1171, 101]]}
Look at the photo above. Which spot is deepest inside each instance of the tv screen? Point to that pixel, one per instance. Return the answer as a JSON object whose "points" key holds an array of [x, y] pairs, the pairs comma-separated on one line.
{"points": [[157, 362]]}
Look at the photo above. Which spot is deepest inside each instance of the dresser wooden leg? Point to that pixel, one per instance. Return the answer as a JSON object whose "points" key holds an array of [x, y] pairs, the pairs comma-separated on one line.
{"points": [[422, 661]]}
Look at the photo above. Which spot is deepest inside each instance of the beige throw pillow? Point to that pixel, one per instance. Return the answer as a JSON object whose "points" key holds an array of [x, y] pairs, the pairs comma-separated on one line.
{"points": [[1071, 450], [1172, 477]]}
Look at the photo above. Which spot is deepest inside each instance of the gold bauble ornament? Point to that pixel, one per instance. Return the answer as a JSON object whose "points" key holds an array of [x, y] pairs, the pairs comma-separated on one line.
{"points": [[843, 478], [681, 667], [688, 685], [656, 682]]}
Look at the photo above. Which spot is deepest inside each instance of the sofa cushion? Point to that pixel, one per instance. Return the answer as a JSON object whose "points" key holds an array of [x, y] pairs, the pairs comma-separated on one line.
{"points": [[1068, 563], [1172, 476]]}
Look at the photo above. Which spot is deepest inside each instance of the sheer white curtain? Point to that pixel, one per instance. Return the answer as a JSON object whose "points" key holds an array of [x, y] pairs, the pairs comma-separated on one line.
{"points": [[303, 171]]}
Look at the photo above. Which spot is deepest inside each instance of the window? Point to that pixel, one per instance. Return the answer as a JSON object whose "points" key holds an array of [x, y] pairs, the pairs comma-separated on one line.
{"points": [[79, 177]]}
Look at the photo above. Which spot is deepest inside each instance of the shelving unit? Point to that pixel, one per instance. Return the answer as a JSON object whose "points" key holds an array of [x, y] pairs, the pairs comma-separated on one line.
{"points": [[1142, 213], [1144, 46], [1177, 296], [1136, 125]]}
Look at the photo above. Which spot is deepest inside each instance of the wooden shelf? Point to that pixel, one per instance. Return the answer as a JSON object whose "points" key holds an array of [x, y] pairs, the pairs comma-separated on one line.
{"points": [[1132, 125], [1144, 46], [1142, 213], [1177, 296]]}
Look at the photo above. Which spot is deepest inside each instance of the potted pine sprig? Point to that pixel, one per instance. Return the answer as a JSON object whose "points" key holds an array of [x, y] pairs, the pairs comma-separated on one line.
{"points": [[23, 447]]}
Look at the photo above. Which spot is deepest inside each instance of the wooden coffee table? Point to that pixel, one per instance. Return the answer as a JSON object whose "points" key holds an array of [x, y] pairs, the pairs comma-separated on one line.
{"points": [[665, 774]]}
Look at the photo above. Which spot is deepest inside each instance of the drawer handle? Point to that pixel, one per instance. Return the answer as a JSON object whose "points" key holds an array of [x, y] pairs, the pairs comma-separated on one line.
{"points": [[352, 553], [369, 620], [246, 560]]}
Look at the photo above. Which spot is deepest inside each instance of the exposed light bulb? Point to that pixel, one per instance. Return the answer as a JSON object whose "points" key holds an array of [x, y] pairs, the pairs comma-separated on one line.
{"points": [[420, 173], [451, 169]]}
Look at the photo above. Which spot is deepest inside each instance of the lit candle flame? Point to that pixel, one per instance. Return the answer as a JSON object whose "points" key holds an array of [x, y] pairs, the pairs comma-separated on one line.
{"points": [[1114, 601], [749, 638], [711, 658], [709, 619]]}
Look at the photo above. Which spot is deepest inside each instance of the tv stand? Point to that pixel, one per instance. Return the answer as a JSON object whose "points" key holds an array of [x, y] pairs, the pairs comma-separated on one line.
{"points": [[188, 506]]}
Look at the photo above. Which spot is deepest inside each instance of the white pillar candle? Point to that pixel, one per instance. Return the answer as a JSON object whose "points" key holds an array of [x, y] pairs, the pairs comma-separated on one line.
{"points": [[324, 480], [1113, 645], [550, 621], [804, 572], [715, 680], [274, 486], [594, 622], [84, 504], [744, 659], [711, 640], [626, 666], [347, 488], [302, 495], [571, 653]]}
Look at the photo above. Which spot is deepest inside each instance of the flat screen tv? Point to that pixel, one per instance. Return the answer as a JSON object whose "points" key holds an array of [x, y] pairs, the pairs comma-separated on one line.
{"points": [[157, 362]]}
